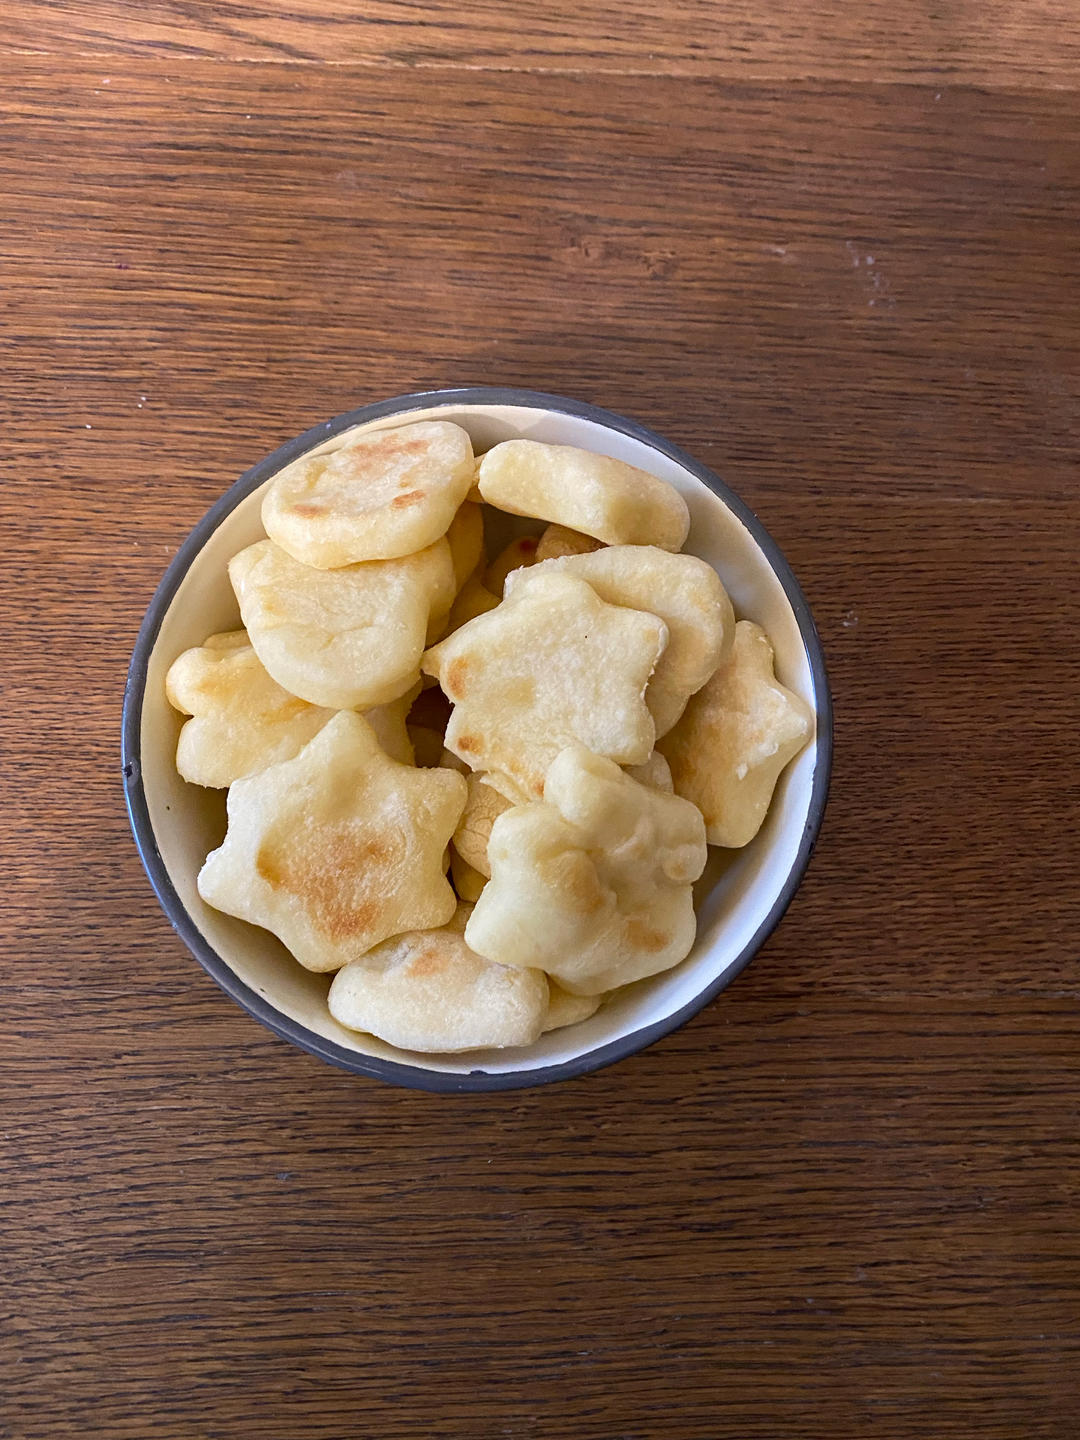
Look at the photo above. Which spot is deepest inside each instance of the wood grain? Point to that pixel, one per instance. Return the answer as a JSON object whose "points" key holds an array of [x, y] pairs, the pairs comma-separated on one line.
{"points": [[876, 307], [998, 43], [843, 1200]]}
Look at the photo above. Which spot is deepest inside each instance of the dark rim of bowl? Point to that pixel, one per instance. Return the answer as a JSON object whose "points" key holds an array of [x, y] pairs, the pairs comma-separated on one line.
{"points": [[414, 1076]]}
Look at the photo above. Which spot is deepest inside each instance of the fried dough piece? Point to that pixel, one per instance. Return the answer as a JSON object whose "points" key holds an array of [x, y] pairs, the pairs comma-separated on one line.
{"points": [[482, 808], [655, 772], [466, 540], [557, 540], [593, 494], [549, 667], [684, 591], [382, 494], [468, 882], [475, 599], [344, 639], [338, 848], [594, 883], [519, 554], [738, 733], [427, 991], [242, 720], [566, 1009]]}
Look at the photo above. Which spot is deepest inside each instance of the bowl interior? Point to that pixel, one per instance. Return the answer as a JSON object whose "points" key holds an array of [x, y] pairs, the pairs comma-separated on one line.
{"points": [[737, 892]]}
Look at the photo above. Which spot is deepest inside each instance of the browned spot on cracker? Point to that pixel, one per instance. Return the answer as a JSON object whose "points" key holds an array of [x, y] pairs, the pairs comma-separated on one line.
{"points": [[430, 961], [403, 502], [580, 884], [455, 676], [307, 509], [470, 744], [644, 937], [342, 875], [527, 544]]}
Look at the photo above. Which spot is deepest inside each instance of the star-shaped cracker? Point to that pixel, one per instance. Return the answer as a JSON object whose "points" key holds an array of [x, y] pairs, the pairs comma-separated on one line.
{"points": [[684, 591], [242, 720], [736, 736], [550, 668], [337, 849], [380, 494], [593, 884], [346, 639]]}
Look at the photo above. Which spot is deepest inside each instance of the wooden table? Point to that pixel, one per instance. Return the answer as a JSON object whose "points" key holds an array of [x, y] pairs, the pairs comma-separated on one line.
{"points": [[835, 256]]}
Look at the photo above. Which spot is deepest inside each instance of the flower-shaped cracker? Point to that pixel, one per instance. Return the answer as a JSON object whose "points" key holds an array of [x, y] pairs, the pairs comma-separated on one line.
{"points": [[426, 990], [553, 666], [346, 639], [381, 494], [593, 884], [338, 848], [687, 595], [242, 720], [736, 736]]}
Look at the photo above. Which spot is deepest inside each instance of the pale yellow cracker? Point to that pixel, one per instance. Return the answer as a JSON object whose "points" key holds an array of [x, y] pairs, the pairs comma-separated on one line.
{"points": [[520, 553], [483, 806], [391, 731], [686, 593], [566, 1009], [468, 881], [655, 771], [475, 599], [337, 848], [382, 494], [593, 494], [593, 884], [344, 639], [427, 991], [738, 733], [558, 540], [546, 669], [466, 540], [242, 720]]}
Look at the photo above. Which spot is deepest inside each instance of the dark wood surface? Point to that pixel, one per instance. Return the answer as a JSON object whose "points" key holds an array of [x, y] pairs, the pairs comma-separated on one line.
{"points": [[834, 257]]}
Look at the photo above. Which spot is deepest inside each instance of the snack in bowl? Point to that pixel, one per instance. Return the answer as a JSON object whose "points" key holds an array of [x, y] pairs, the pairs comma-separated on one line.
{"points": [[518, 555], [738, 733], [685, 593], [342, 638], [552, 664], [241, 719], [426, 990], [482, 808], [339, 848], [592, 884], [378, 497], [594, 494], [552, 807]]}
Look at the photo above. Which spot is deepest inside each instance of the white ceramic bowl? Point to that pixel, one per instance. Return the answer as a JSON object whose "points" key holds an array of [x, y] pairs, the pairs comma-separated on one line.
{"points": [[742, 895]]}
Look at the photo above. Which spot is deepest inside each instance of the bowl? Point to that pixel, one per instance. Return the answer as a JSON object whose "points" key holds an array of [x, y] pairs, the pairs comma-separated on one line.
{"points": [[740, 898]]}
